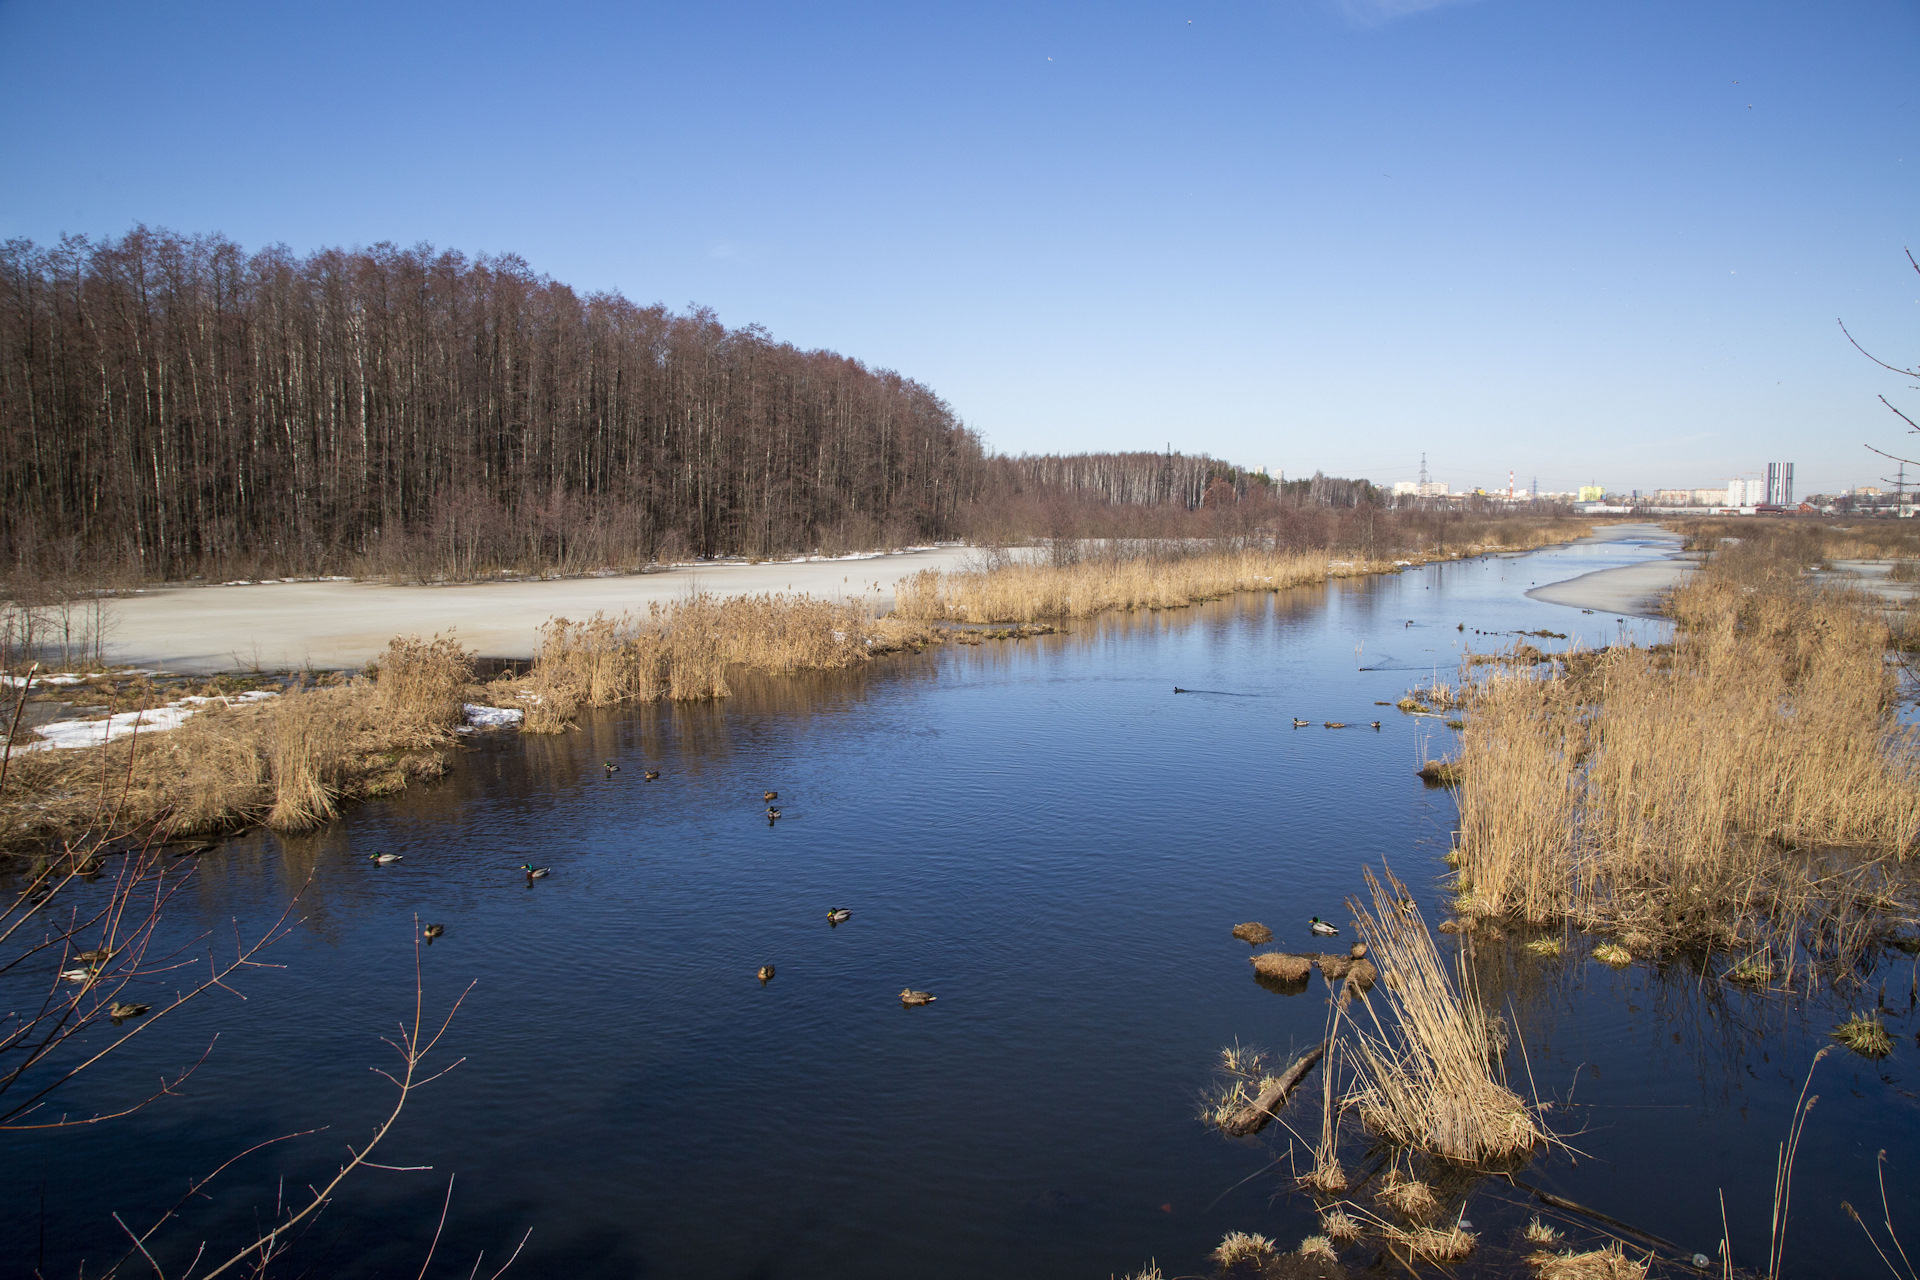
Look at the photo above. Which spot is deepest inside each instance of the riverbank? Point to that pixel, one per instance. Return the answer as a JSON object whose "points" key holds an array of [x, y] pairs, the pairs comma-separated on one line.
{"points": [[1634, 590]]}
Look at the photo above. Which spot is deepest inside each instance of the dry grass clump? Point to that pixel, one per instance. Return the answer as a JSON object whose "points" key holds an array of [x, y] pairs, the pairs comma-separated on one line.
{"points": [[1282, 966], [1241, 1075], [1754, 968], [1429, 1084], [1538, 1232], [1340, 1226], [1610, 1263], [1149, 1272], [1865, 1034], [421, 684], [1240, 1248], [1544, 946], [1253, 932], [1614, 954], [1750, 781], [1409, 1197], [1435, 1244], [1319, 1248]]}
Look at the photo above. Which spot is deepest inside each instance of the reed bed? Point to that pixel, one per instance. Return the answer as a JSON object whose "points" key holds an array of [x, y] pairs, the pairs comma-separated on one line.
{"points": [[1433, 1083], [681, 651], [1748, 787], [1159, 577], [289, 762]]}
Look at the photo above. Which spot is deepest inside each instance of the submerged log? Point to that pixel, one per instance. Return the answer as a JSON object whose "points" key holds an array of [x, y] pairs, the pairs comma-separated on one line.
{"points": [[1253, 1117]]}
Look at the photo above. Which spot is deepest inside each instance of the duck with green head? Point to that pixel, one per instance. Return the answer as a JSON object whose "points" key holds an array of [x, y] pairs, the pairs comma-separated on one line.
{"points": [[1321, 927], [536, 873]]}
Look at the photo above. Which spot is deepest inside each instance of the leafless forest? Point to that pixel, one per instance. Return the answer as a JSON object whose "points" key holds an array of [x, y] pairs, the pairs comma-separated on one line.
{"points": [[173, 406]]}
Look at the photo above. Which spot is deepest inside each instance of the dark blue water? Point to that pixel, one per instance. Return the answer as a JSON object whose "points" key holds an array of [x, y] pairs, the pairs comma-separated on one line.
{"points": [[1040, 833]]}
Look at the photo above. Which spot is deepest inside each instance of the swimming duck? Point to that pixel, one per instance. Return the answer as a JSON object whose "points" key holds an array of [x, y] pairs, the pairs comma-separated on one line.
{"points": [[1298, 723], [765, 974], [769, 796], [382, 859], [909, 996], [536, 873], [610, 767], [651, 775], [1374, 725], [1336, 724], [838, 915], [77, 975], [117, 1010], [773, 814], [433, 931], [1321, 927], [97, 956]]}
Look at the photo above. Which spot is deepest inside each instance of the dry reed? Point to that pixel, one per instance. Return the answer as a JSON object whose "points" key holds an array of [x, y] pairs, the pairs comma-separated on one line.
{"points": [[1241, 1248], [1743, 785], [1610, 1263], [1431, 1084], [1158, 576], [681, 651]]}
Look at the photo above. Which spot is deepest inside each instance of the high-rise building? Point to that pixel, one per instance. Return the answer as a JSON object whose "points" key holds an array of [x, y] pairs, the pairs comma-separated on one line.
{"points": [[1780, 483]]}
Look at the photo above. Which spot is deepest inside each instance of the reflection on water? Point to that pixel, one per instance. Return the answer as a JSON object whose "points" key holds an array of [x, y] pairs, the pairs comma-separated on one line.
{"points": [[1043, 835]]}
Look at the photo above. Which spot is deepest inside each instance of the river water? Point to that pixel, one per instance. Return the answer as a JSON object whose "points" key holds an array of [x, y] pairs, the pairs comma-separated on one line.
{"points": [[1041, 833]]}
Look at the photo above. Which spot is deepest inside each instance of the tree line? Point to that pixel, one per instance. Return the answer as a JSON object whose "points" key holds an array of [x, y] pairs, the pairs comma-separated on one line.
{"points": [[173, 406]]}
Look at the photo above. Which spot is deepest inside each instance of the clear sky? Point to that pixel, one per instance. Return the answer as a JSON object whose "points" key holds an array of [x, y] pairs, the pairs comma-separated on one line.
{"points": [[1586, 241]]}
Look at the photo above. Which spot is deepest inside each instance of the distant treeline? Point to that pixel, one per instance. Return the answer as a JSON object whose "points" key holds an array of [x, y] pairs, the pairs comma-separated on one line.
{"points": [[173, 405]]}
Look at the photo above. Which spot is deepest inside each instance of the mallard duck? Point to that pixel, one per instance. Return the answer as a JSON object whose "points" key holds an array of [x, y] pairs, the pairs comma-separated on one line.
{"points": [[536, 873], [838, 915], [773, 814], [766, 974], [1336, 724], [1374, 725], [1321, 927], [433, 931], [118, 1010], [909, 996], [1358, 951], [98, 956], [382, 859], [769, 796], [610, 767], [1298, 723], [77, 975], [651, 775]]}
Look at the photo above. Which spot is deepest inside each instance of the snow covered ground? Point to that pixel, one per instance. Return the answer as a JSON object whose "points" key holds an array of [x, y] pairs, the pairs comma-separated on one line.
{"points": [[336, 624]]}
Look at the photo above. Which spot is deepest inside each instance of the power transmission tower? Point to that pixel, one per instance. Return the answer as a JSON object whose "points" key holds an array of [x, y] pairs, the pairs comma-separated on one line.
{"points": [[1423, 475]]}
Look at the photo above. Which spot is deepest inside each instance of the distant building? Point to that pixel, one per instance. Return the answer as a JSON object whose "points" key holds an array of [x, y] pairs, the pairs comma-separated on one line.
{"points": [[1746, 493], [1415, 489], [1673, 497], [1592, 493], [1709, 497]]}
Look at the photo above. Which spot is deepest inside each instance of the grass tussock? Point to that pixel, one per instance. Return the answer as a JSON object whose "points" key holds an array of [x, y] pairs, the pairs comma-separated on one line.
{"points": [[1745, 786], [1538, 1232], [1407, 1196], [1610, 1263], [1340, 1226], [1435, 1244], [1612, 953], [1244, 1248], [1282, 966], [1865, 1034], [1430, 1077], [1318, 1248]]}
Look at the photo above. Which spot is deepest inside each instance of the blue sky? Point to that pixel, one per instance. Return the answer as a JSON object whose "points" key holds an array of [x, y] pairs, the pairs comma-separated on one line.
{"points": [[1582, 241]]}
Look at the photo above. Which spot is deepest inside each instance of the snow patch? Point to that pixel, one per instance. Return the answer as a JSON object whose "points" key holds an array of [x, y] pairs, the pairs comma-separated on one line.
{"points": [[479, 717], [61, 735]]}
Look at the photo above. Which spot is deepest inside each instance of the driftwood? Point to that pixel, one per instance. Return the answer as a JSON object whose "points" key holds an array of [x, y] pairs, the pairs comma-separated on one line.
{"points": [[1253, 1117]]}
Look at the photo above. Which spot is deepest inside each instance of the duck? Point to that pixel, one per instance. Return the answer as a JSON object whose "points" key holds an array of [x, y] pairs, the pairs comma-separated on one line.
{"points": [[118, 1010], [610, 767], [432, 931], [536, 873], [769, 796], [98, 956], [1374, 725], [1298, 723], [651, 775], [78, 975], [765, 974], [909, 996], [382, 859], [1321, 927], [773, 814], [1336, 724], [838, 915]]}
